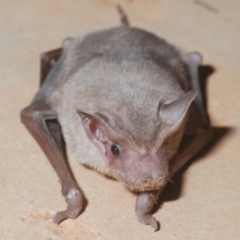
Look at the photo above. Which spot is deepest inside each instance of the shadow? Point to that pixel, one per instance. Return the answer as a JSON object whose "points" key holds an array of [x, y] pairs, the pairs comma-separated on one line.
{"points": [[219, 134], [173, 189]]}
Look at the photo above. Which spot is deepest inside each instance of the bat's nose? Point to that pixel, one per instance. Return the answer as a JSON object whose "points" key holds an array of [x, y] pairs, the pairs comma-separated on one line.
{"points": [[154, 183]]}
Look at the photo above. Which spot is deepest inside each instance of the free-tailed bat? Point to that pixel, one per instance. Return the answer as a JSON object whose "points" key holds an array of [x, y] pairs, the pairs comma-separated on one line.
{"points": [[123, 100]]}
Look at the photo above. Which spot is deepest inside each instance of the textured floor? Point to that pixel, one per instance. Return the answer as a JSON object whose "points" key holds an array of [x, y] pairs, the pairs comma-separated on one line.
{"points": [[203, 203]]}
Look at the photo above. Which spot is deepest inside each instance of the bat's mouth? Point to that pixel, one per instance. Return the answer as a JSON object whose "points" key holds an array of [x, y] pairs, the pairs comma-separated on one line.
{"points": [[147, 184]]}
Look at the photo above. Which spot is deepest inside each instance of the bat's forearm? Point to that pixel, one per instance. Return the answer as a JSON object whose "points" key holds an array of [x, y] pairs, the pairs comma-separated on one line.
{"points": [[49, 138]]}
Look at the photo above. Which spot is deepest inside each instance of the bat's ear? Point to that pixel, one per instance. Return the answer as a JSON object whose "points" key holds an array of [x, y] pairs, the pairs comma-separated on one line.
{"points": [[94, 125], [172, 114]]}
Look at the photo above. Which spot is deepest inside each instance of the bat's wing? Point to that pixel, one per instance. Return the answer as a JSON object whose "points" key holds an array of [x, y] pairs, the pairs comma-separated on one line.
{"points": [[198, 137], [48, 60], [41, 121]]}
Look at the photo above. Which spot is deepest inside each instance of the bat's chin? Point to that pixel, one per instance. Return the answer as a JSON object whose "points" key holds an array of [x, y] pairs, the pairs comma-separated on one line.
{"points": [[147, 184]]}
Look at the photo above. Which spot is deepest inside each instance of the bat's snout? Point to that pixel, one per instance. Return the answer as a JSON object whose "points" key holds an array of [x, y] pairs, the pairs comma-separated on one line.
{"points": [[154, 183], [146, 173]]}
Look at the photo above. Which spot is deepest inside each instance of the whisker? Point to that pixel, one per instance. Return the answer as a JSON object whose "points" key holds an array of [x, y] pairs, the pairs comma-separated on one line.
{"points": [[171, 182], [175, 153]]}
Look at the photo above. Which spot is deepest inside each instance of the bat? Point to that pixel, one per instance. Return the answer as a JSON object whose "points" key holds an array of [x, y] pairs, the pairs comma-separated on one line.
{"points": [[123, 100]]}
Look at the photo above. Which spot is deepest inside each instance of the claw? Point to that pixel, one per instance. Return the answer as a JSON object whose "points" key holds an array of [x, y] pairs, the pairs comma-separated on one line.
{"points": [[149, 220], [74, 201], [60, 216]]}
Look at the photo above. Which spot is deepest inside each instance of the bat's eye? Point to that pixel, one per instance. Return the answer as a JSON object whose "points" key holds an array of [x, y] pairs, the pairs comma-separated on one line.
{"points": [[115, 149]]}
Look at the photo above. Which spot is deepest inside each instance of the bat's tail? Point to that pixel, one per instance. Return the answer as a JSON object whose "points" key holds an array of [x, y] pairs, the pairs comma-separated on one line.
{"points": [[124, 18]]}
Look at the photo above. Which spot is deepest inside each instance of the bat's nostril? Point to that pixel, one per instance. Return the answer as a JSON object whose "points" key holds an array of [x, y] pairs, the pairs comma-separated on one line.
{"points": [[145, 182], [148, 182]]}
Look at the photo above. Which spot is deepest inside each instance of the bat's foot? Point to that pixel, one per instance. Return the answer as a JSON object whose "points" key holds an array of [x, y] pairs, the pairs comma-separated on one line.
{"points": [[144, 205], [74, 200]]}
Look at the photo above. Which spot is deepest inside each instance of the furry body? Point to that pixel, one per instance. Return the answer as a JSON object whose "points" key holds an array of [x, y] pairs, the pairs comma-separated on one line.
{"points": [[122, 99], [126, 80]]}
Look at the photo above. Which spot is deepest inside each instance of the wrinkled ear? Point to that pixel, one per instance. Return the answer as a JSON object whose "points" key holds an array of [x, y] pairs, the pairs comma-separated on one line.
{"points": [[94, 125], [172, 114]]}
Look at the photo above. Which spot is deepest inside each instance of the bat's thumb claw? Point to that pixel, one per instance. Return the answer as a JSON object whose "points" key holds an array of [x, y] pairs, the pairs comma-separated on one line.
{"points": [[149, 220], [74, 200], [154, 224], [144, 205], [59, 217]]}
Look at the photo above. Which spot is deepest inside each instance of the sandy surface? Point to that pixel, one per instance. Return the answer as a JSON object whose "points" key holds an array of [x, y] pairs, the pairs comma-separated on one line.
{"points": [[203, 203]]}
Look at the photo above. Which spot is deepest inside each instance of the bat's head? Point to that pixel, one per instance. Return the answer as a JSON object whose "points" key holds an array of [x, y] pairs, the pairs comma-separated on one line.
{"points": [[137, 158]]}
